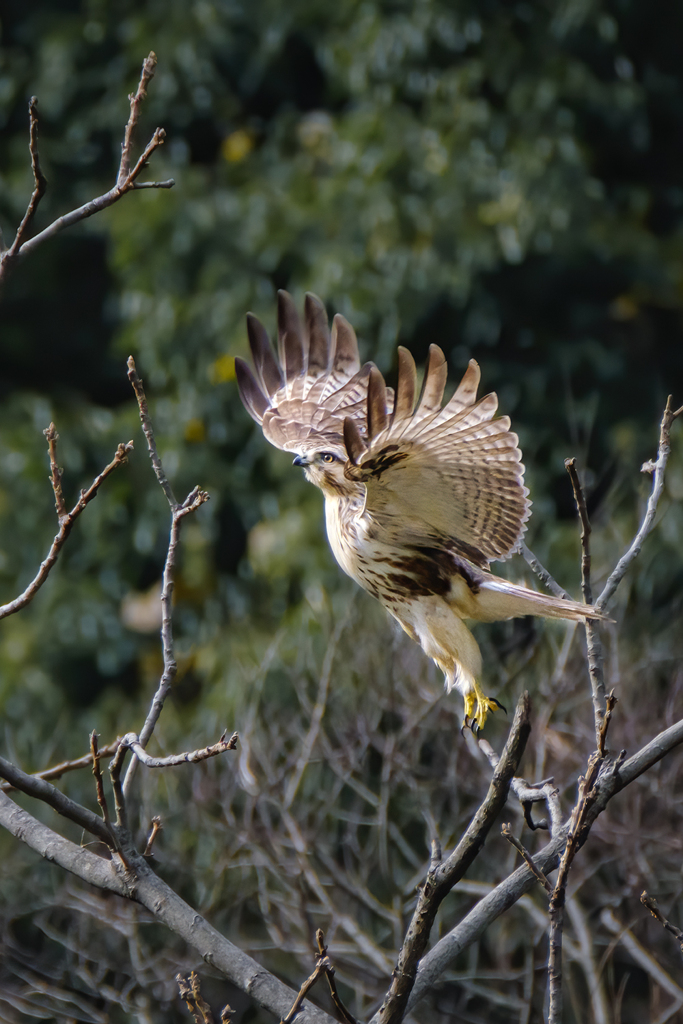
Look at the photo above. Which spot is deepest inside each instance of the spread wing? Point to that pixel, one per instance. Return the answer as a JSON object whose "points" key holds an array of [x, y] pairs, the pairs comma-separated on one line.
{"points": [[316, 383], [431, 472]]}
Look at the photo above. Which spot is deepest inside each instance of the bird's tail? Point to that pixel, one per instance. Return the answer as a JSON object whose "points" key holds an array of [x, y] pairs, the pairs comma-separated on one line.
{"points": [[499, 599]]}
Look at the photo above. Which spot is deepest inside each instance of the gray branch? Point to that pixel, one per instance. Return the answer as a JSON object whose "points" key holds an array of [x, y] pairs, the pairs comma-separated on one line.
{"points": [[142, 885]]}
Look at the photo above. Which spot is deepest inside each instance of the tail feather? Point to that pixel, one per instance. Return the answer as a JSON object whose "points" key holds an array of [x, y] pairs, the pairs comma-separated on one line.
{"points": [[499, 599]]}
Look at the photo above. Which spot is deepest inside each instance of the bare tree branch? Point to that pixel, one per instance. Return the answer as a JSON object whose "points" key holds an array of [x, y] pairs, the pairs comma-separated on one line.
{"points": [[148, 68], [593, 642], [657, 468], [126, 179], [615, 777], [530, 793], [192, 502], [526, 856], [48, 794], [138, 882], [543, 574], [65, 524], [156, 828], [442, 877], [148, 431], [132, 741], [39, 179], [651, 903], [97, 773], [58, 770]]}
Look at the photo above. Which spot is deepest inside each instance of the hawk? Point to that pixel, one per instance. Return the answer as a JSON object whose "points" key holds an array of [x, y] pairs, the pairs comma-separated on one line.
{"points": [[419, 497]]}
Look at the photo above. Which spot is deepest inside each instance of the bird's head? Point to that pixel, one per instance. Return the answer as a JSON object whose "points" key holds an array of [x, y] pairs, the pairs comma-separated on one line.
{"points": [[324, 467]]}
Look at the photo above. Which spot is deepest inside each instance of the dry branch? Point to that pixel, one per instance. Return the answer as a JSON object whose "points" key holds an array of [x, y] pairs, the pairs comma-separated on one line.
{"points": [[442, 877], [66, 523], [39, 183], [542, 573], [153, 833], [192, 502], [57, 770], [126, 179], [657, 468], [615, 777], [138, 882], [651, 903], [132, 741]]}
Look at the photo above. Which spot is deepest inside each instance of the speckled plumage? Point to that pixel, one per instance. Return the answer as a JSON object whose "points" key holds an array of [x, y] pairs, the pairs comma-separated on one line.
{"points": [[419, 497]]}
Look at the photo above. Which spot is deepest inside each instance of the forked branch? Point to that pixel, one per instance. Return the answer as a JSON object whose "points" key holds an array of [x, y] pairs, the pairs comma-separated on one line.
{"points": [[192, 502], [126, 179], [66, 520]]}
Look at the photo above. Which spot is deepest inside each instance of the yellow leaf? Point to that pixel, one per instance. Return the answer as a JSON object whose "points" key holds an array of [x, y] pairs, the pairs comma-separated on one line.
{"points": [[195, 431], [237, 145], [223, 369]]}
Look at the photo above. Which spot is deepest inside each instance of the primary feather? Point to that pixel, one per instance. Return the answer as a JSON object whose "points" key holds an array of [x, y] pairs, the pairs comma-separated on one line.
{"points": [[419, 496]]}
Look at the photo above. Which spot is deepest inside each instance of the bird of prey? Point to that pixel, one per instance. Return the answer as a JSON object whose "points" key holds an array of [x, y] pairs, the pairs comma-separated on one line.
{"points": [[419, 497]]}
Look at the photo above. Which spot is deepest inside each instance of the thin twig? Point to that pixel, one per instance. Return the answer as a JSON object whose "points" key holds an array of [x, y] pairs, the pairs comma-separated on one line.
{"points": [[101, 798], [148, 431], [190, 992], [65, 524], [651, 903], [153, 833], [55, 472], [580, 499], [543, 574], [303, 992], [602, 737], [514, 841], [593, 641], [657, 468], [126, 180], [148, 68], [115, 767], [58, 770], [346, 1017], [39, 180], [529, 794], [194, 499], [132, 741]]}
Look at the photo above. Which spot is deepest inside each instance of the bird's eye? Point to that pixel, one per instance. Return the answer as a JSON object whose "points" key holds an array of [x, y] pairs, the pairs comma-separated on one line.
{"points": [[328, 457]]}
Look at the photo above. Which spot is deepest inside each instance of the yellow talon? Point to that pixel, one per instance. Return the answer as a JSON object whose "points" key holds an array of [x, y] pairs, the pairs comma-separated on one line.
{"points": [[477, 707]]}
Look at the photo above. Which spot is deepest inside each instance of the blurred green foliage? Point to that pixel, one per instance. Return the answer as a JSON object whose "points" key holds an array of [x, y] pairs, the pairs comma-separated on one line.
{"points": [[502, 178]]}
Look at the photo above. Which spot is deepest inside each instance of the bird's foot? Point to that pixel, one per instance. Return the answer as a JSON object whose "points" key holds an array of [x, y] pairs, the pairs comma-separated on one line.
{"points": [[477, 707]]}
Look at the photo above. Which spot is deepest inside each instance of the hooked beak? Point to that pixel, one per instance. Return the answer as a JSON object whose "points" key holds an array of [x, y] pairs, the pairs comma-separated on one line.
{"points": [[299, 461]]}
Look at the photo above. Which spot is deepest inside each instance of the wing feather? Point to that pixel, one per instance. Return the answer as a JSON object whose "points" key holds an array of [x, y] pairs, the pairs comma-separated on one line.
{"points": [[317, 336], [317, 383], [453, 472], [267, 369]]}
